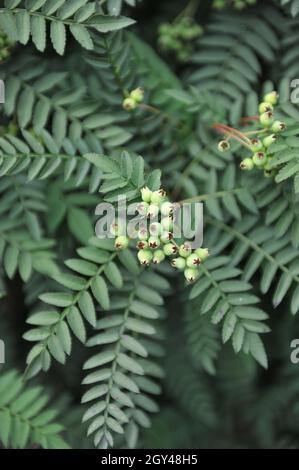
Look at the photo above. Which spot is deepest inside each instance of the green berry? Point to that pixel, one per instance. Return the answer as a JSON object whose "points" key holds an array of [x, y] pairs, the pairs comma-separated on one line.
{"points": [[146, 194], [247, 164], [116, 229], [176, 44], [264, 107], [259, 159], [223, 146], [185, 250], [256, 145], [178, 263], [167, 208], [155, 229], [167, 224], [191, 32], [269, 173], [154, 242], [129, 104], [145, 257], [219, 4], [165, 41], [142, 208], [170, 249], [193, 260], [202, 253], [142, 245], [121, 242], [269, 140], [158, 257], [278, 126], [166, 237], [153, 210], [271, 98], [143, 234], [158, 197], [137, 95], [266, 119], [191, 274], [239, 5], [164, 28]]}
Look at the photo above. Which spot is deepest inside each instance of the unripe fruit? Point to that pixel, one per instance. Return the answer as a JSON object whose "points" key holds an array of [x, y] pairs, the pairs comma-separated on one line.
{"points": [[165, 28], [247, 164], [268, 164], [146, 194], [271, 98], [185, 250], [256, 145], [116, 229], [167, 208], [269, 140], [142, 245], [155, 229], [145, 257], [158, 257], [179, 263], [269, 173], [170, 249], [191, 274], [158, 196], [137, 95], [121, 242], [259, 159], [264, 107], [143, 234], [166, 237], [166, 41], [153, 210], [193, 260], [239, 5], [167, 223], [278, 126], [223, 146], [154, 242], [266, 119], [142, 208], [129, 104], [202, 253]]}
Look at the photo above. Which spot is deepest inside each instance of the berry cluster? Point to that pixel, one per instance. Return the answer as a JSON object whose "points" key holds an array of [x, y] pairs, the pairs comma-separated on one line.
{"points": [[133, 99], [238, 4], [156, 238], [258, 142], [177, 37], [260, 148], [5, 45]]}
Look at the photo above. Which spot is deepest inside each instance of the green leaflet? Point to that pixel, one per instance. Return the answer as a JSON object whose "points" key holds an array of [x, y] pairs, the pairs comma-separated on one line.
{"points": [[66, 145], [122, 351], [75, 306], [24, 420], [78, 15], [228, 302]]}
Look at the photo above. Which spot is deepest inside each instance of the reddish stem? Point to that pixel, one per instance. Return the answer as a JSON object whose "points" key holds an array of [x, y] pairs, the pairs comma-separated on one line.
{"points": [[249, 119], [231, 132]]}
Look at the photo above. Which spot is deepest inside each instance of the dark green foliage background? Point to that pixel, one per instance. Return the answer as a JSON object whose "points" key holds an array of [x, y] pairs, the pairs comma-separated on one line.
{"points": [[205, 395]]}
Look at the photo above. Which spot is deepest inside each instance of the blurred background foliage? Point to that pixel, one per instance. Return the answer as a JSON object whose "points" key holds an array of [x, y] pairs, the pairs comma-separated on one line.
{"points": [[210, 397]]}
